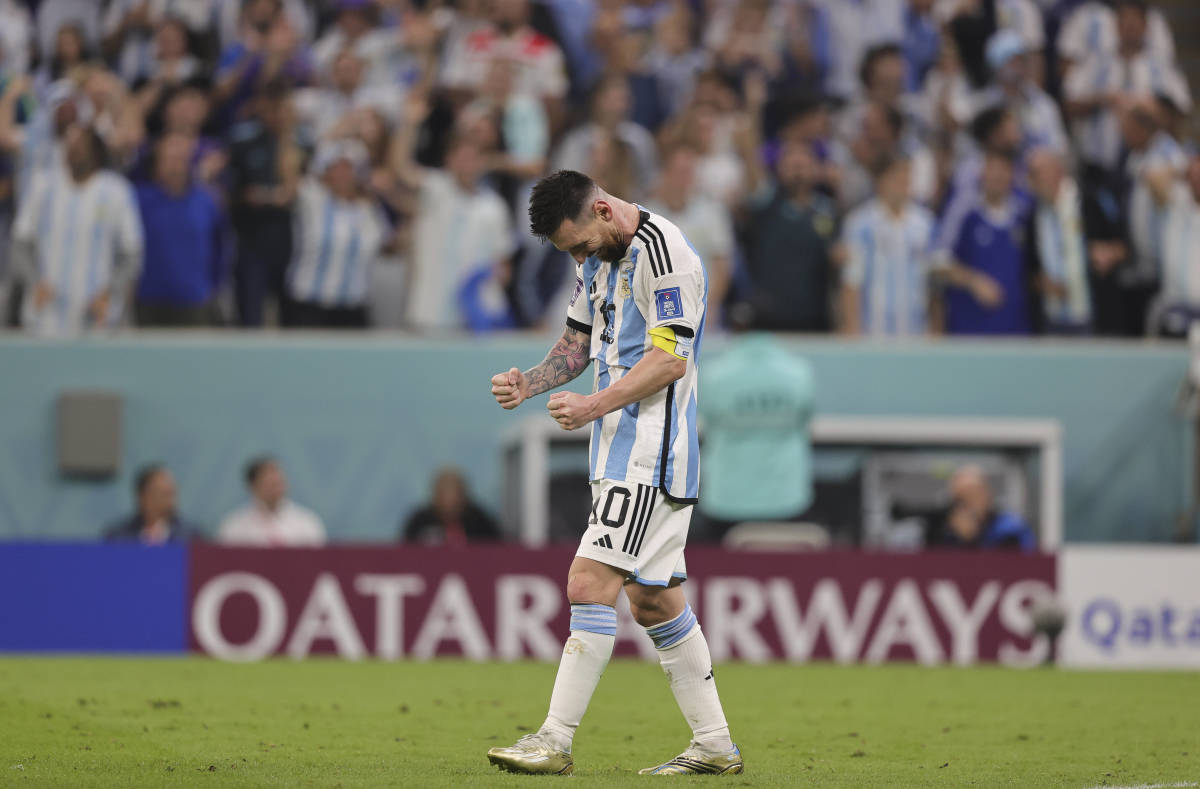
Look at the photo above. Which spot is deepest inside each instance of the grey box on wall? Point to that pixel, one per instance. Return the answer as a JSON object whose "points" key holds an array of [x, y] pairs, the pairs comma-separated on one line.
{"points": [[89, 433]]}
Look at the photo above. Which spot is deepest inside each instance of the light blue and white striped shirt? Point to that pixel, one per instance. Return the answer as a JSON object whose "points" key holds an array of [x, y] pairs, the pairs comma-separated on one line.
{"points": [[889, 265], [1146, 217], [79, 233], [1098, 135], [1181, 250], [659, 282], [336, 243]]}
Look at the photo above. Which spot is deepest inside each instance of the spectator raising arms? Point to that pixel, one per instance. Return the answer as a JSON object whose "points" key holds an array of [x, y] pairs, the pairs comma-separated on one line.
{"points": [[339, 233]]}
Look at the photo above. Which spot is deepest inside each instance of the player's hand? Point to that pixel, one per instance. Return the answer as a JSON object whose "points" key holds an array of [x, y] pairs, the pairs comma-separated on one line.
{"points": [[570, 410], [510, 389]]}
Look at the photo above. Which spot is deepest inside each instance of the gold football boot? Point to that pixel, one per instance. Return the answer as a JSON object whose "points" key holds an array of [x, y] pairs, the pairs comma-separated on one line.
{"points": [[533, 754]]}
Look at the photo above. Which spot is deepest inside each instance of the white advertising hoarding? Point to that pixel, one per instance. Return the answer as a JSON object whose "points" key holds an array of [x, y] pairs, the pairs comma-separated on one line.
{"points": [[1130, 606]]}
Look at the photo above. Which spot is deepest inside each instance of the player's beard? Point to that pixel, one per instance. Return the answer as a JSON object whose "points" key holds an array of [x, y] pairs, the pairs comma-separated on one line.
{"points": [[611, 253]]}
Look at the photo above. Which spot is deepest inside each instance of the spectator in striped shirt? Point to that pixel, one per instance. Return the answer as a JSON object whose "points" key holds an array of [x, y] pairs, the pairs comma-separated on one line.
{"points": [[1057, 247], [1107, 83], [77, 242], [1180, 298], [339, 234], [885, 279]]}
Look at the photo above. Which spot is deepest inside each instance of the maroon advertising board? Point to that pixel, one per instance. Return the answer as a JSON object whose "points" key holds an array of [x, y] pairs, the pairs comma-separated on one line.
{"points": [[506, 602]]}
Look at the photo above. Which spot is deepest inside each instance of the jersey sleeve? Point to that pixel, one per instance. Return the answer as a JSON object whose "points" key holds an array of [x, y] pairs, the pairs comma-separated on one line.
{"points": [[672, 279], [580, 312]]}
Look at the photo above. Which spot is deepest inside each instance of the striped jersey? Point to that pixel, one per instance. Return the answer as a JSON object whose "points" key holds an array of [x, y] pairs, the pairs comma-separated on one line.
{"points": [[1098, 134], [1146, 217], [660, 282], [889, 265], [80, 233], [336, 243]]}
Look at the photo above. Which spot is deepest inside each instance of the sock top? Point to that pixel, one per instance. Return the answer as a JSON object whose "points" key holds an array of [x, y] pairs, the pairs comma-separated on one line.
{"points": [[594, 618], [669, 633]]}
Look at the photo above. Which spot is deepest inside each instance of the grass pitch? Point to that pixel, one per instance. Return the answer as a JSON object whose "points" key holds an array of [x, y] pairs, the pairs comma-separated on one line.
{"points": [[80, 722]]}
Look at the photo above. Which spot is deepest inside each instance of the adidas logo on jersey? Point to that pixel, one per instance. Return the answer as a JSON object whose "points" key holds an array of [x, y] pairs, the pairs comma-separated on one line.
{"points": [[603, 542]]}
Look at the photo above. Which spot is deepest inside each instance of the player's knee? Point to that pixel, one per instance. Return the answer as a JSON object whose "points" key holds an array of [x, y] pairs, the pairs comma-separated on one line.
{"points": [[648, 611], [584, 587]]}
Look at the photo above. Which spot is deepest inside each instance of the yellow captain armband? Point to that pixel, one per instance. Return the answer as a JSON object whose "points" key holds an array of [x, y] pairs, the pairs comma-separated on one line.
{"points": [[664, 337]]}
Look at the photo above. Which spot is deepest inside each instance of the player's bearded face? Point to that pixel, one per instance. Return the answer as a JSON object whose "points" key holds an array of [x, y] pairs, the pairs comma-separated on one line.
{"points": [[611, 249]]}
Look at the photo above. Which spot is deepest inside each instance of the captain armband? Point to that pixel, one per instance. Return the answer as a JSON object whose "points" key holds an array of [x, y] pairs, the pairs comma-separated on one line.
{"points": [[677, 345]]}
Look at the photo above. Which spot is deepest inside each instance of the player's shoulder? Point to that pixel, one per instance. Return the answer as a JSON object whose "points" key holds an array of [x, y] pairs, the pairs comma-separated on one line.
{"points": [[665, 246]]}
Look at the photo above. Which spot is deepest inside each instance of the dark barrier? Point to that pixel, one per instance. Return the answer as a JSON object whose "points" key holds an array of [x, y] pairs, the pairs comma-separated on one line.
{"points": [[93, 598], [507, 602]]}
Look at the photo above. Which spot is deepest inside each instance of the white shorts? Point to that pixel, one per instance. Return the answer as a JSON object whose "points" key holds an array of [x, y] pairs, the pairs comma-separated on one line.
{"points": [[637, 529]]}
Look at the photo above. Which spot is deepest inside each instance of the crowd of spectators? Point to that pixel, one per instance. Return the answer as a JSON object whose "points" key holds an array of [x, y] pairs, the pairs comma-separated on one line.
{"points": [[885, 167]]}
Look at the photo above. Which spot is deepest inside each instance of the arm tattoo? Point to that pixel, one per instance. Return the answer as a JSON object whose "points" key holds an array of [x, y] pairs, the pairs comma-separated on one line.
{"points": [[566, 360]]}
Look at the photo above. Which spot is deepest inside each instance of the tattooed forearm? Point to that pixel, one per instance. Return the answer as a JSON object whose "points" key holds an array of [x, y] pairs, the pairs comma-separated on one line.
{"points": [[566, 360]]}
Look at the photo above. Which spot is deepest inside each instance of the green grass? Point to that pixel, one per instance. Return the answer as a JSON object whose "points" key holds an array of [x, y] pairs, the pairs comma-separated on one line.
{"points": [[194, 722]]}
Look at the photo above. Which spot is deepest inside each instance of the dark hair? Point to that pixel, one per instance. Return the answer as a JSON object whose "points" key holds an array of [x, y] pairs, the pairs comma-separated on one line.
{"points": [[886, 162], [556, 198], [875, 54], [985, 124], [256, 466], [146, 473], [1137, 5]]}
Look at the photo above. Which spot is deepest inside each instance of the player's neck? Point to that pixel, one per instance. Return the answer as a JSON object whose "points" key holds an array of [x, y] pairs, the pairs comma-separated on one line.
{"points": [[626, 216]]}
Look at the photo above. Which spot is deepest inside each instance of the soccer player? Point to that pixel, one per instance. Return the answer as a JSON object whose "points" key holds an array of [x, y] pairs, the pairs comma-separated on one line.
{"points": [[638, 310]]}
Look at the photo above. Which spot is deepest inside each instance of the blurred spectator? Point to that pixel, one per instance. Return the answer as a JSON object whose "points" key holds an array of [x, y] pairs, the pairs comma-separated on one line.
{"points": [[507, 35], [988, 277], [355, 30], [268, 49], [156, 520], [146, 37], [1014, 86], [921, 45], [791, 229], [852, 28], [450, 518], [184, 110], [673, 60], [16, 39], [994, 131], [53, 15], [70, 51], [523, 131], [1057, 246], [609, 123], [339, 234], [188, 250], [973, 521], [758, 402], [1180, 299], [264, 163], [1154, 162], [877, 137], [457, 279], [322, 108], [1093, 29], [271, 519], [704, 221], [1107, 82], [77, 242], [885, 281]]}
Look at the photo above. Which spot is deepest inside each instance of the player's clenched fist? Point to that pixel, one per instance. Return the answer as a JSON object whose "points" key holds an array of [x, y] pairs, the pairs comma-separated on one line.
{"points": [[510, 389], [570, 410]]}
